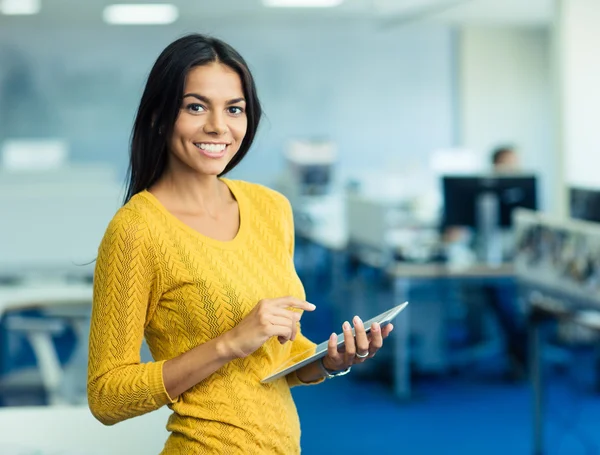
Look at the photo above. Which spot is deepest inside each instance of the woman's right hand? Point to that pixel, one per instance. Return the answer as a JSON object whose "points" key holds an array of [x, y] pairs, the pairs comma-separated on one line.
{"points": [[269, 318]]}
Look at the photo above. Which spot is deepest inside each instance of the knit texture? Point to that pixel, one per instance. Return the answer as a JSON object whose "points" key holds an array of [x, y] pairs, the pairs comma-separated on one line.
{"points": [[158, 278]]}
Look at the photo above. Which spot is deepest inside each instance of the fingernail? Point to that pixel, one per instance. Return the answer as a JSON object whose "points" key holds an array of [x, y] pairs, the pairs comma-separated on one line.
{"points": [[312, 305], [357, 321], [346, 325], [375, 327]]}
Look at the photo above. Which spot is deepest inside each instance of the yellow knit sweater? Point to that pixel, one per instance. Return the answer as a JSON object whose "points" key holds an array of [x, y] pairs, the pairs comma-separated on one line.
{"points": [[159, 278]]}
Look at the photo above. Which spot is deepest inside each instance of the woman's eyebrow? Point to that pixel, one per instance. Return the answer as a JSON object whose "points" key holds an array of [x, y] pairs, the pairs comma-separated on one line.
{"points": [[207, 100], [199, 97]]}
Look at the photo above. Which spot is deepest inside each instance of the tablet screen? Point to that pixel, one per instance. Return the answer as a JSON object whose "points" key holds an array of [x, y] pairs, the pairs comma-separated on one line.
{"points": [[315, 353]]}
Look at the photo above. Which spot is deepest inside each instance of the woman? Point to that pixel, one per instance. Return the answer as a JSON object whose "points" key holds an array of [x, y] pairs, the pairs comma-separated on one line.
{"points": [[202, 267]]}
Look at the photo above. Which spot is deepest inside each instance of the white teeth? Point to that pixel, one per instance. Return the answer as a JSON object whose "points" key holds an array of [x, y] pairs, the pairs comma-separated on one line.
{"points": [[213, 148]]}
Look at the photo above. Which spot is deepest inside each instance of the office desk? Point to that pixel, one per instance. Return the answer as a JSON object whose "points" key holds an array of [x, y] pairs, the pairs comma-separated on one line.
{"points": [[407, 276], [546, 303], [43, 295], [66, 301], [404, 278]]}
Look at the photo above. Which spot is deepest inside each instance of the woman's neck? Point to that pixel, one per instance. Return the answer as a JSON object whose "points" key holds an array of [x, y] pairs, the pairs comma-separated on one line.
{"points": [[191, 192]]}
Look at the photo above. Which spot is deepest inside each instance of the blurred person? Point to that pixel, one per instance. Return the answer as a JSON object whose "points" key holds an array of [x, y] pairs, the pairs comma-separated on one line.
{"points": [[505, 159], [202, 267], [501, 297]]}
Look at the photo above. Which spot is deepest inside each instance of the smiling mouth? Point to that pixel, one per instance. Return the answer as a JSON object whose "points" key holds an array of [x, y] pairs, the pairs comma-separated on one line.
{"points": [[211, 148]]}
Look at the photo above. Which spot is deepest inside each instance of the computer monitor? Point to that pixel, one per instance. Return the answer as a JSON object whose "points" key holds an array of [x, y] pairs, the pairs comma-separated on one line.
{"points": [[585, 204], [314, 179], [485, 203], [465, 197]]}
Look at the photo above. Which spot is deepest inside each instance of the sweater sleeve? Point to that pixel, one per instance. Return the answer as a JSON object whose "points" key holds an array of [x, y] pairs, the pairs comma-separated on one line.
{"points": [[126, 288]]}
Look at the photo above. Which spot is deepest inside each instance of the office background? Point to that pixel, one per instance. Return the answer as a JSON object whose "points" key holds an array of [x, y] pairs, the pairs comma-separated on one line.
{"points": [[398, 92]]}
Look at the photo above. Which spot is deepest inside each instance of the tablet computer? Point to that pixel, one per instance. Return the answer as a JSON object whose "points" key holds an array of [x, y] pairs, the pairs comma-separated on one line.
{"points": [[321, 350]]}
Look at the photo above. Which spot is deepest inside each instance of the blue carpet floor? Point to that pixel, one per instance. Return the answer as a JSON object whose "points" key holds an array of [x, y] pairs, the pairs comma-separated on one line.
{"points": [[447, 416]]}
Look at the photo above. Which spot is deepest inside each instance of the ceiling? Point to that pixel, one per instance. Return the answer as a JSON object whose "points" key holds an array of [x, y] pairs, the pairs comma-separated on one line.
{"points": [[390, 12], [514, 12]]}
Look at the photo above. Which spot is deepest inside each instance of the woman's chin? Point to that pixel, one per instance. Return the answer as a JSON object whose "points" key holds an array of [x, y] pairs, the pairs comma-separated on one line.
{"points": [[214, 169], [208, 167]]}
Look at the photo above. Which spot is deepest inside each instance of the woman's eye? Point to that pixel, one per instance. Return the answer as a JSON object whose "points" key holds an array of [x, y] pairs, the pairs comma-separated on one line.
{"points": [[236, 110], [195, 107]]}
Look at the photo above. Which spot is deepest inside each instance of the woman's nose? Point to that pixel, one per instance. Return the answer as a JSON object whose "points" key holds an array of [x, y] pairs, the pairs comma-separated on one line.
{"points": [[215, 124]]}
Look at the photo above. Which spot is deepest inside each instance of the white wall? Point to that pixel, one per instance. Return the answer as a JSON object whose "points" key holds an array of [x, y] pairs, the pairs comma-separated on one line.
{"points": [[384, 96], [578, 37], [505, 96]]}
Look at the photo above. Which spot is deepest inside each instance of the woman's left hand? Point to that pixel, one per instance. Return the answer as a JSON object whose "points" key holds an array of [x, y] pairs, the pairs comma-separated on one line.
{"points": [[365, 346]]}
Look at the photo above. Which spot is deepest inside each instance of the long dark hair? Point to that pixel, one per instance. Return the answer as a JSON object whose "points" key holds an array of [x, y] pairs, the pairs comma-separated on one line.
{"points": [[161, 101]]}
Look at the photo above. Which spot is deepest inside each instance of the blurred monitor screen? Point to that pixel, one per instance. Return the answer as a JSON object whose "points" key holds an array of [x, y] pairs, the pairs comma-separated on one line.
{"points": [[315, 175], [313, 179], [585, 204], [462, 192]]}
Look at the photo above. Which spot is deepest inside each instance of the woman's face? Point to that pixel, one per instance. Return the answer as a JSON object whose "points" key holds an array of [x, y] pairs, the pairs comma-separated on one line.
{"points": [[211, 123]]}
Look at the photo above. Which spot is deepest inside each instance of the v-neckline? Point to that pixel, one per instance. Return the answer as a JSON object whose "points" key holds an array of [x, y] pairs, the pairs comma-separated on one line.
{"points": [[228, 244]]}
